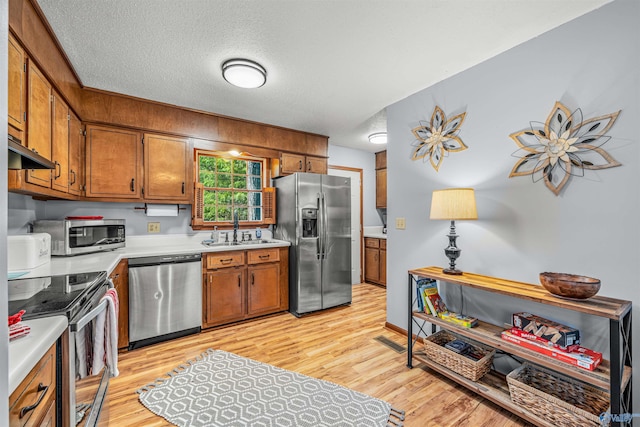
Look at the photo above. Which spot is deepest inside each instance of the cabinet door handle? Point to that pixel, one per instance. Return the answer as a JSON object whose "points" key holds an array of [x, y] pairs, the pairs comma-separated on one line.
{"points": [[58, 169], [300, 165], [253, 279], [133, 183], [183, 188], [74, 177], [41, 388], [308, 166], [238, 280]]}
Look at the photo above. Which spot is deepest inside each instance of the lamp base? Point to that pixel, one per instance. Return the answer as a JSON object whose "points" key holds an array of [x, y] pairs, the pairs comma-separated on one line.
{"points": [[450, 271]]}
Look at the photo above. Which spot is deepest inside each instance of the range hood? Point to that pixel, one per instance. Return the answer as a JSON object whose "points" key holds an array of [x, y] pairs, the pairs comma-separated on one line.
{"points": [[20, 157]]}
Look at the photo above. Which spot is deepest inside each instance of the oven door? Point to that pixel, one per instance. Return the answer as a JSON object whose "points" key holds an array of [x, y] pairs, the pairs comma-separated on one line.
{"points": [[87, 389]]}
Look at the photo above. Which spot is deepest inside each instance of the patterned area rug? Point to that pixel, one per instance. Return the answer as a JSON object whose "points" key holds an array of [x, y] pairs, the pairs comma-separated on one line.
{"points": [[223, 389]]}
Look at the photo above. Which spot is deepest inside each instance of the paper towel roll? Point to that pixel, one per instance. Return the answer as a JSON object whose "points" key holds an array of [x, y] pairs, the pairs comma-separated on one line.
{"points": [[162, 210]]}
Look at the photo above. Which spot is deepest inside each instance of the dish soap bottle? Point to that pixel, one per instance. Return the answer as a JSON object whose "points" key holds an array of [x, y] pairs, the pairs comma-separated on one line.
{"points": [[258, 234]]}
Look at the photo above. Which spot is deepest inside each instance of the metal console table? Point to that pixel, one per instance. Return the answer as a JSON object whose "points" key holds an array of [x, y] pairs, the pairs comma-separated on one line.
{"points": [[613, 375]]}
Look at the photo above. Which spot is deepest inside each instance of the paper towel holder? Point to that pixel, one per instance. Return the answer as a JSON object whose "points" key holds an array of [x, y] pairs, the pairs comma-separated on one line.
{"points": [[145, 208]]}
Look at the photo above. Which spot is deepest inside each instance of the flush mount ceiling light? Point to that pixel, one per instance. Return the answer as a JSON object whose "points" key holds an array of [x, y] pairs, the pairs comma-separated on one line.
{"points": [[244, 73], [378, 138]]}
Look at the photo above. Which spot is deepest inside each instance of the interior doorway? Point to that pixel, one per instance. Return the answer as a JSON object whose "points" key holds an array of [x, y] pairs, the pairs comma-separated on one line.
{"points": [[356, 218]]}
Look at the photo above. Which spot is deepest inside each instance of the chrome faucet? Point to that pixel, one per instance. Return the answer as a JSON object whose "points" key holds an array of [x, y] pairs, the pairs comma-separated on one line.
{"points": [[235, 227]]}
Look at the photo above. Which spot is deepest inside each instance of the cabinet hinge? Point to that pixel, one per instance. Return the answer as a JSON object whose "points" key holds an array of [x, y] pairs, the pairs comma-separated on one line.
{"points": [[68, 117], [83, 132], [25, 116], [24, 67]]}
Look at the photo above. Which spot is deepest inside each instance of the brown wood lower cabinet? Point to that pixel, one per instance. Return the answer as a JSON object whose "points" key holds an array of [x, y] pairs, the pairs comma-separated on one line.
{"points": [[239, 285], [375, 261], [120, 278], [33, 402]]}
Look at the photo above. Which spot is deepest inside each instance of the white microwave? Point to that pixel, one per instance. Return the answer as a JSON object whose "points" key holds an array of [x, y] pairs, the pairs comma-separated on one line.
{"points": [[76, 237]]}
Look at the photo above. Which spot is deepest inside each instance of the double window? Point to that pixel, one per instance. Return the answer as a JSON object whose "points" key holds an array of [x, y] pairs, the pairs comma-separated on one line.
{"points": [[229, 185]]}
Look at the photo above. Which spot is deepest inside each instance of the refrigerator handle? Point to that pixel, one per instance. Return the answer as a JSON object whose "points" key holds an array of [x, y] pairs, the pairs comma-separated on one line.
{"points": [[319, 238], [325, 225]]}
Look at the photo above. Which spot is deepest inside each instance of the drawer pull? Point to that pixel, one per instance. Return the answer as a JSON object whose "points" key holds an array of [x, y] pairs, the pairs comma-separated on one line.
{"points": [[267, 256], [41, 388], [226, 260]]}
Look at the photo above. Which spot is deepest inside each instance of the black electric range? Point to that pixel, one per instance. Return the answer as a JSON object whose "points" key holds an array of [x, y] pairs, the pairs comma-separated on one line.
{"points": [[55, 295]]}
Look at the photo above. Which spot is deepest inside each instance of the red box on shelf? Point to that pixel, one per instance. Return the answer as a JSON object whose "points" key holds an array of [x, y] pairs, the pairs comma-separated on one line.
{"points": [[531, 337], [559, 334], [583, 357]]}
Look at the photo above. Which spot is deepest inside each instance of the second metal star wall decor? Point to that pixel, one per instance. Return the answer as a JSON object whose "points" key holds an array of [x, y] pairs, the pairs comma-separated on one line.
{"points": [[565, 145], [437, 138]]}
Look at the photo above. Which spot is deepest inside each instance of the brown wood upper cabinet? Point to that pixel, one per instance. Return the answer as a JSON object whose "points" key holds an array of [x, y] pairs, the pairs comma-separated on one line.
{"points": [[118, 160], [39, 122], [113, 163], [76, 155], [381, 179], [60, 143], [167, 168], [289, 163], [16, 94]]}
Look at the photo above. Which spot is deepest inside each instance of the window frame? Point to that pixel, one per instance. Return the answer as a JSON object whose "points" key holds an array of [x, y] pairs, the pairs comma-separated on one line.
{"points": [[264, 176]]}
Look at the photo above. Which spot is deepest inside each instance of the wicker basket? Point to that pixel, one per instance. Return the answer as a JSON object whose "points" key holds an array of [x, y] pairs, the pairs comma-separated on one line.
{"points": [[562, 401], [468, 368]]}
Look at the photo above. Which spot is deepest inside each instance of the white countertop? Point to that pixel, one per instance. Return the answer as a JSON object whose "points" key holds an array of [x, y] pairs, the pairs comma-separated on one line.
{"points": [[374, 232], [25, 352], [140, 246]]}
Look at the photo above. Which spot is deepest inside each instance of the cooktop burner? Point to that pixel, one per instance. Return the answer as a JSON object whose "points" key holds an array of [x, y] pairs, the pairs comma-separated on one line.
{"points": [[53, 295]]}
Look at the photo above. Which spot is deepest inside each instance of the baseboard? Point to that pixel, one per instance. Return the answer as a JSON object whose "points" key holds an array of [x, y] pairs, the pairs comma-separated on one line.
{"points": [[399, 330]]}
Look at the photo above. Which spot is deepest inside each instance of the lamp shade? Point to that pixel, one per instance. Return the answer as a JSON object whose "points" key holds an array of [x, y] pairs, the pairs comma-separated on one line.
{"points": [[453, 204]]}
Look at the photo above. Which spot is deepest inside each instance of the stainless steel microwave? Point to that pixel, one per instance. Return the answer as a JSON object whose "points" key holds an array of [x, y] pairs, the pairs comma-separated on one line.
{"points": [[76, 237]]}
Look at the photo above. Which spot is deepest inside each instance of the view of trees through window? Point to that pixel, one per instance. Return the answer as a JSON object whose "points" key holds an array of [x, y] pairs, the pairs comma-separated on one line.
{"points": [[231, 185]]}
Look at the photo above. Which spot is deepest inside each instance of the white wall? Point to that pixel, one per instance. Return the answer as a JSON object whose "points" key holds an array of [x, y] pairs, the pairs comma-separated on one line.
{"points": [[342, 156], [591, 228]]}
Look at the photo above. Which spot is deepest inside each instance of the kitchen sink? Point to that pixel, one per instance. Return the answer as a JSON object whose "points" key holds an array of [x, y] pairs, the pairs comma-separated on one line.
{"points": [[212, 244]]}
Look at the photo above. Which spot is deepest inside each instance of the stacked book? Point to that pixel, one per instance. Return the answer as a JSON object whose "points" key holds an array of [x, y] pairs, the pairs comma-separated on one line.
{"points": [[430, 301], [551, 339]]}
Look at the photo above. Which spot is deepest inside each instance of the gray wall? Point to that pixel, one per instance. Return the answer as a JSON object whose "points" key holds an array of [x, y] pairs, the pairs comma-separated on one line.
{"points": [[523, 229], [4, 333], [23, 210], [342, 156]]}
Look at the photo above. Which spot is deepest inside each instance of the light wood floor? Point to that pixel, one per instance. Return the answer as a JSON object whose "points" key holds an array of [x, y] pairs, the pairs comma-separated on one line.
{"points": [[336, 345]]}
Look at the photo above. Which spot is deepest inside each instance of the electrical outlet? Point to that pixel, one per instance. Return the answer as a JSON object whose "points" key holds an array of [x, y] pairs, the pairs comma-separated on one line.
{"points": [[400, 224], [153, 227]]}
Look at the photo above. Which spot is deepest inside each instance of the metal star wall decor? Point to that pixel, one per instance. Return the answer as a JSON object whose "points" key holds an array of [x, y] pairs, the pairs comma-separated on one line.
{"points": [[565, 145], [437, 138]]}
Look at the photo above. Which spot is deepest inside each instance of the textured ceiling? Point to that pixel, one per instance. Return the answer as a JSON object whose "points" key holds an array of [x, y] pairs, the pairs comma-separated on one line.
{"points": [[333, 65]]}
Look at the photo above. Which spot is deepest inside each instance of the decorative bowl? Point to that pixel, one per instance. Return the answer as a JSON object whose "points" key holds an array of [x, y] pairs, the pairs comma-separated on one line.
{"points": [[570, 285]]}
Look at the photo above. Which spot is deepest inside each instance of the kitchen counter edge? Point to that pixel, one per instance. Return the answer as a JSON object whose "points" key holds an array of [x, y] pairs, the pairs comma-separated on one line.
{"points": [[25, 352], [108, 260]]}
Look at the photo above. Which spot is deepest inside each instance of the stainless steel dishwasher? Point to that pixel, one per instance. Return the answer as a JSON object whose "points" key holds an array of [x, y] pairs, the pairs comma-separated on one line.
{"points": [[165, 298]]}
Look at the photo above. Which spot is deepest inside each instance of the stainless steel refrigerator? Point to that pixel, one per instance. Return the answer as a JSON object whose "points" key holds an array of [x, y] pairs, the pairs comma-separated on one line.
{"points": [[314, 214]]}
